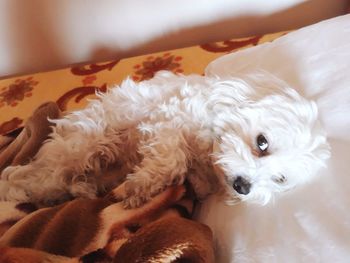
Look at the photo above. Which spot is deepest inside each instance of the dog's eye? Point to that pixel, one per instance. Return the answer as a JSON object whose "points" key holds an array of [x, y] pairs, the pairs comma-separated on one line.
{"points": [[262, 143]]}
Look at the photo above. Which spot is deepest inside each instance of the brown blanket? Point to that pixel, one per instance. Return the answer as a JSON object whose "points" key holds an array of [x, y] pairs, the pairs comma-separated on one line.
{"points": [[97, 230]]}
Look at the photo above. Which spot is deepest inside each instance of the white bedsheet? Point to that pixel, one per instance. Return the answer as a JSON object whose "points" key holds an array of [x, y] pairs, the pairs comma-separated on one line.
{"points": [[311, 223]]}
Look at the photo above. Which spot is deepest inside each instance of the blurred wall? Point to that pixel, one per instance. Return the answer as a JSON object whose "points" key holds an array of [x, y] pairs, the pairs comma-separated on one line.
{"points": [[40, 35]]}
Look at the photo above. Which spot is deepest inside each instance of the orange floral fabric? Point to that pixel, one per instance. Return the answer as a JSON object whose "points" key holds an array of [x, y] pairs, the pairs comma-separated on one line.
{"points": [[72, 87]]}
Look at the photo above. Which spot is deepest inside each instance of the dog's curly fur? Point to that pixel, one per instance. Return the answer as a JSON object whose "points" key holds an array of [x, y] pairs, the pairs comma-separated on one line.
{"points": [[174, 126]]}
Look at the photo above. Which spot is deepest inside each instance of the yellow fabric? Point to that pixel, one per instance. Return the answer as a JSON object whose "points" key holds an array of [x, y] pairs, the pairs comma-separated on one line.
{"points": [[72, 87]]}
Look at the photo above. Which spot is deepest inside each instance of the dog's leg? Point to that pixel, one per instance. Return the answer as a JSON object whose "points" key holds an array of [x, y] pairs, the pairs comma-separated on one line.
{"points": [[12, 192], [65, 159], [61, 167], [164, 163]]}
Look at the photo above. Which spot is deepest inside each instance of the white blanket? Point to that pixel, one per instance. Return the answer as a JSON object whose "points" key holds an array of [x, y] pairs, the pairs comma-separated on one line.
{"points": [[311, 223]]}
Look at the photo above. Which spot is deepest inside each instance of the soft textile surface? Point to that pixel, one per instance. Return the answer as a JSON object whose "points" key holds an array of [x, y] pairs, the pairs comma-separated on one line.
{"points": [[95, 230], [71, 87], [309, 224], [21, 149], [99, 230]]}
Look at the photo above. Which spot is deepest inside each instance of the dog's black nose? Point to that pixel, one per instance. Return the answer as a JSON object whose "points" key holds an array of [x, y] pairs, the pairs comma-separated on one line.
{"points": [[241, 185]]}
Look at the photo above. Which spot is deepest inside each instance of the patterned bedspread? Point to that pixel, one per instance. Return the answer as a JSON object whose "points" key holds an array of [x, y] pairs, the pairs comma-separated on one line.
{"points": [[71, 87]]}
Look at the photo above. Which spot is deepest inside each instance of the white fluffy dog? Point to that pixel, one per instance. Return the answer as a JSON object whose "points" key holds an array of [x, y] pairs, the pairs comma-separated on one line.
{"points": [[250, 136]]}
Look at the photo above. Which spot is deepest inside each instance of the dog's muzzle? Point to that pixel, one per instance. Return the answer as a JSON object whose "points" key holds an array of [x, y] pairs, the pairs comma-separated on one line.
{"points": [[241, 185]]}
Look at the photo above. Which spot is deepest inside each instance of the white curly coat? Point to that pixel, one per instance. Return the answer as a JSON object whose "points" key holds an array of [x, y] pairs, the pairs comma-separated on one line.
{"points": [[172, 127]]}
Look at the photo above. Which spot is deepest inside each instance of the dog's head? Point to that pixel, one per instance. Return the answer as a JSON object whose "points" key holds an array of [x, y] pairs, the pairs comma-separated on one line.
{"points": [[268, 140]]}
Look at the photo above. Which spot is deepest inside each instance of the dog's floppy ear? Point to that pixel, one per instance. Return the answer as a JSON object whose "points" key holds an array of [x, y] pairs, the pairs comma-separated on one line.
{"points": [[246, 90], [306, 110], [266, 90], [266, 85]]}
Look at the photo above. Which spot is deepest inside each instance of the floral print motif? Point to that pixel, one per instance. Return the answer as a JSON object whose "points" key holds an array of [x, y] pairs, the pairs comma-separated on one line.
{"points": [[230, 45], [84, 70], [78, 93], [89, 79], [17, 91], [153, 64]]}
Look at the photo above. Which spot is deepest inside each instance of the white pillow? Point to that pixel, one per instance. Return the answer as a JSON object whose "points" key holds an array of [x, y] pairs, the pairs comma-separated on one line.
{"points": [[311, 223]]}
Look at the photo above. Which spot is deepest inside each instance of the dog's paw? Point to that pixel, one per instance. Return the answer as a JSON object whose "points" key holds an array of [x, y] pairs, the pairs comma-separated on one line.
{"points": [[137, 193], [4, 188], [9, 171], [83, 190], [117, 194], [134, 202], [10, 192], [18, 172]]}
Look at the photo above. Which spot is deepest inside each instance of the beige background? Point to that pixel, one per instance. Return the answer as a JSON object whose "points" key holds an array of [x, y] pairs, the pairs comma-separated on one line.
{"points": [[43, 35]]}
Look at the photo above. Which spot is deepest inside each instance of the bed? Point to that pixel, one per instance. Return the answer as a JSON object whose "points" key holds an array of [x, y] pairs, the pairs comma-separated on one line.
{"points": [[309, 224]]}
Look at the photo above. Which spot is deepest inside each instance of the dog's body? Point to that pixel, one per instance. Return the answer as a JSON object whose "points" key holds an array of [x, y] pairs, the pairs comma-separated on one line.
{"points": [[212, 130]]}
